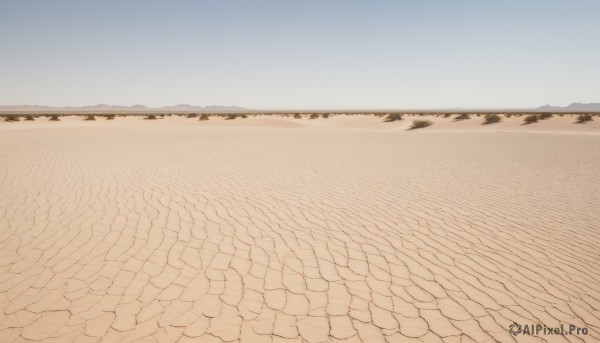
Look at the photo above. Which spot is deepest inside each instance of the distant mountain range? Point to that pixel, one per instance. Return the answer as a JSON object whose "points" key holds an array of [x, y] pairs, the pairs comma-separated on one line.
{"points": [[116, 108], [575, 107]]}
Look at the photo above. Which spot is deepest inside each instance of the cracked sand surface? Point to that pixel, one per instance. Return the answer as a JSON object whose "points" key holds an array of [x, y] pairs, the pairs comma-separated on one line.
{"points": [[166, 232]]}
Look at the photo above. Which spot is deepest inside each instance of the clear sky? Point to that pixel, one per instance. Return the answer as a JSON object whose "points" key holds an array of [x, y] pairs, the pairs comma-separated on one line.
{"points": [[300, 53]]}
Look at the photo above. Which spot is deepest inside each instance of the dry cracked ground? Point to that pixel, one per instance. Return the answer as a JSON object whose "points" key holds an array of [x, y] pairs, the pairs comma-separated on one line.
{"points": [[164, 232]]}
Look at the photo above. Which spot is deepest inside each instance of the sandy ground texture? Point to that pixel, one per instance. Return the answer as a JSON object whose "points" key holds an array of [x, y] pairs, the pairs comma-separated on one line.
{"points": [[273, 229]]}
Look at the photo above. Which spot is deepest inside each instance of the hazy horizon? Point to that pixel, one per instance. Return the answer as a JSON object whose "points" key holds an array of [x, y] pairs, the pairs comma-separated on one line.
{"points": [[305, 55]]}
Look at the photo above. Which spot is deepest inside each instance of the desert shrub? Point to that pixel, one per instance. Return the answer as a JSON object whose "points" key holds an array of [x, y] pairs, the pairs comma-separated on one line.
{"points": [[560, 115], [532, 118], [231, 116], [417, 124], [244, 116], [545, 115], [192, 115], [110, 116], [393, 117], [150, 117], [54, 117], [297, 116], [492, 118], [462, 116], [29, 117], [582, 118], [508, 115], [11, 118], [89, 117], [447, 115], [326, 115], [314, 116], [203, 116]]}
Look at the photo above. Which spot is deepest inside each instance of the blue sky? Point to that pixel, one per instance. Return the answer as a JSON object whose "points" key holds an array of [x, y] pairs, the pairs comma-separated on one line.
{"points": [[300, 54]]}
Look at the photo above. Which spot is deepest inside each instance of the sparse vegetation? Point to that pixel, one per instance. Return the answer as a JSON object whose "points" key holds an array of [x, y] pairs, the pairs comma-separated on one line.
{"points": [[54, 117], [244, 116], [462, 116], [532, 118], [508, 115], [314, 116], [297, 116], [110, 116], [231, 116], [90, 117], [11, 118], [417, 124], [545, 115], [326, 115], [447, 115], [492, 118], [393, 117], [150, 117], [29, 117], [203, 116], [192, 115], [582, 118]]}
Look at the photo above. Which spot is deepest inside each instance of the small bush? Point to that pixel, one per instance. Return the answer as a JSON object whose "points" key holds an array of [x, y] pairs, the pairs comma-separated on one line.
{"points": [[150, 117], [297, 116], [192, 115], [545, 115], [417, 124], [54, 117], [326, 115], [11, 118], [532, 118], [508, 115], [203, 116], [314, 116], [582, 118], [492, 118], [393, 117], [89, 117], [462, 116], [244, 116], [29, 117], [447, 115], [231, 116], [110, 116]]}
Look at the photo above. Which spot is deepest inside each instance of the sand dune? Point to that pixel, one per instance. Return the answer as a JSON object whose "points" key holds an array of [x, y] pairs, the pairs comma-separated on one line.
{"points": [[274, 229]]}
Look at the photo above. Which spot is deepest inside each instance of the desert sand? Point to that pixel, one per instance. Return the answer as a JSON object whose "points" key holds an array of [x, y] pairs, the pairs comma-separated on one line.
{"points": [[274, 229]]}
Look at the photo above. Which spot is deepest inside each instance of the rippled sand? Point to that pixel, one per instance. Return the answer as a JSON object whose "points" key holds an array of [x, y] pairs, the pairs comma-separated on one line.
{"points": [[275, 229]]}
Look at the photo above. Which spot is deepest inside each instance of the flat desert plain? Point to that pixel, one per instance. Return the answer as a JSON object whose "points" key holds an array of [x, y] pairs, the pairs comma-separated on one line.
{"points": [[274, 229]]}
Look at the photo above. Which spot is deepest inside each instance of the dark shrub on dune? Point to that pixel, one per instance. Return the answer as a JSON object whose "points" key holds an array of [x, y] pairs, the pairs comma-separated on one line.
{"points": [[545, 115], [314, 116], [297, 116], [54, 117], [11, 118], [29, 117], [231, 116], [393, 117], [462, 116], [192, 115], [110, 116], [492, 118], [244, 116], [326, 115], [582, 118], [532, 118], [508, 115], [90, 117], [447, 115], [418, 124], [150, 117], [203, 116]]}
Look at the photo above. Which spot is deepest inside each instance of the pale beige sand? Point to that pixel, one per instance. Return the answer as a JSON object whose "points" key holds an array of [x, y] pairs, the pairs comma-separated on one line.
{"points": [[275, 229]]}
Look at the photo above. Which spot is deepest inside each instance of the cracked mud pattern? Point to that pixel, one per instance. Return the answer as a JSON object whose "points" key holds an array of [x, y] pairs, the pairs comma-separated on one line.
{"points": [[156, 233]]}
